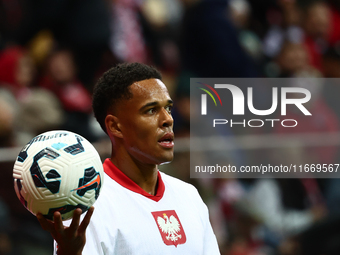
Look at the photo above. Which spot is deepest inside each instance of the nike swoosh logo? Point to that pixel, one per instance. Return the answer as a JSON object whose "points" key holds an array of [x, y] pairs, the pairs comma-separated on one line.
{"points": [[96, 180]]}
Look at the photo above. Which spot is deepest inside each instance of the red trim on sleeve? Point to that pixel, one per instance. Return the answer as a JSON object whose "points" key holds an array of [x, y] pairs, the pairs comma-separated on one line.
{"points": [[117, 175]]}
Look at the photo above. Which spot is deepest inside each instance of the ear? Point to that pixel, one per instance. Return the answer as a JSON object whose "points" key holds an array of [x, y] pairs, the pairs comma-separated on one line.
{"points": [[113, 126]]}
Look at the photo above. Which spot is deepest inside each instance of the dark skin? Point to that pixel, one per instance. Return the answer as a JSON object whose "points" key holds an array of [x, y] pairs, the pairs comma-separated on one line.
{"points": [[71, 240], [135, 136], [140, 130]]}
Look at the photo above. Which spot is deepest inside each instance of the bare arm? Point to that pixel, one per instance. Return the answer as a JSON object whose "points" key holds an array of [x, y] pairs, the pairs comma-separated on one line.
{"points": [[71, 240]]}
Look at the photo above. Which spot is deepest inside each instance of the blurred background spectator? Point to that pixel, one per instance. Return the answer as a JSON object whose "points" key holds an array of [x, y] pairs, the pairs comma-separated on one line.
{"points": [[52, 52]]}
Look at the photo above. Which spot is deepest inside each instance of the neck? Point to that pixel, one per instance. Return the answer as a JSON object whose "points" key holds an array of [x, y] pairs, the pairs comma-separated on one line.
{"points": [[144, 175]]}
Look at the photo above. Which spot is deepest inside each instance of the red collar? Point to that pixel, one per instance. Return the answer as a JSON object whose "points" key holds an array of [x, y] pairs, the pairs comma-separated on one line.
{"points": [[117, 175]]}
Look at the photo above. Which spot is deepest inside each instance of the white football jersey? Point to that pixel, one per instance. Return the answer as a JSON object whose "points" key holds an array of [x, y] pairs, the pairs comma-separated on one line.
{"points": [[129, 221]]}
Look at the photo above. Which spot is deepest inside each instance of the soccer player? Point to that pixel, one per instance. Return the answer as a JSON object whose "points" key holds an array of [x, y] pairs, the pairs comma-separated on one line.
{"points": [[140, 210]]}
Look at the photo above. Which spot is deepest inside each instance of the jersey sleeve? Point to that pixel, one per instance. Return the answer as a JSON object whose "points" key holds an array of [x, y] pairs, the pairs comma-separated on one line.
{"points": [[93, 244], [210, 246]]}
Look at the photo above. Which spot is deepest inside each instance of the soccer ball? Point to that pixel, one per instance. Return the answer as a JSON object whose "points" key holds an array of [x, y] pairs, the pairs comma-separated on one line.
{"points": [[58, 171]]}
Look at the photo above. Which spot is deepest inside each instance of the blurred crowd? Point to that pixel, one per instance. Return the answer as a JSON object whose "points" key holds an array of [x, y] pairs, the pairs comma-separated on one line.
{"points": [[52, 53]]}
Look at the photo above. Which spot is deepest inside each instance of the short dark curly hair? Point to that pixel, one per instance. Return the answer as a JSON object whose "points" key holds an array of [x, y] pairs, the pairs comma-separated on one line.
{"points": [[114, 84]]}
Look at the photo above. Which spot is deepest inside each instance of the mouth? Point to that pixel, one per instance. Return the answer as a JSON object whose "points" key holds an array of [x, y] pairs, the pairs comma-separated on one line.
{"points": [[167, 140]]}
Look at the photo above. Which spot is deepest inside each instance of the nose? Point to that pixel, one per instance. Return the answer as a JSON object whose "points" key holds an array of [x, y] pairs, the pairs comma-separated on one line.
{"points": [[167, 120]]}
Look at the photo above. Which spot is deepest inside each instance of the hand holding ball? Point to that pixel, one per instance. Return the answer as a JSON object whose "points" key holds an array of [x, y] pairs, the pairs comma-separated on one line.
{"points": [[58, 171]]}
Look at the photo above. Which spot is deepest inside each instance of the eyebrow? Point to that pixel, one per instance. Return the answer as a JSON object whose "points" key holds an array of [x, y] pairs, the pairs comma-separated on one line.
{"points": [[154, 104]]}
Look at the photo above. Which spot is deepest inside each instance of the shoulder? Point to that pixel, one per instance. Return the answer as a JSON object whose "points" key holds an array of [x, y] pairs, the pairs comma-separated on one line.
{"points": [[180, 187], [170, 181]]}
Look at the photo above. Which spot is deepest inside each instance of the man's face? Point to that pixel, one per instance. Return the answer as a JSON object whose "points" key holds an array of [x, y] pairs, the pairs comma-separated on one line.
{"points": [[146, 123]]}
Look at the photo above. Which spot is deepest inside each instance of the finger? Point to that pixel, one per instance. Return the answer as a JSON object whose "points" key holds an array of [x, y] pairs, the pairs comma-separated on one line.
{"points": [[75, 221], [86, 220], [58, 222], [46, 224], [43, 222]]}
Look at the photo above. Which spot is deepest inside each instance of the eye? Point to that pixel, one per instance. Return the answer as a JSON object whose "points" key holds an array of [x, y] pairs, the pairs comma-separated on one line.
{"points": [[151, 111], [168, 108]]}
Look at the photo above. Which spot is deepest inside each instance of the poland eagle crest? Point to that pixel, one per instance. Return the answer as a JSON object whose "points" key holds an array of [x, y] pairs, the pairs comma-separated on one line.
{"points": [[170, 227]]}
